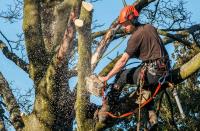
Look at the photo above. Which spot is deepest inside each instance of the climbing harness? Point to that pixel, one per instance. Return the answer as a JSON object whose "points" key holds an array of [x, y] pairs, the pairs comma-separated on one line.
{"points": [[141, 105]]}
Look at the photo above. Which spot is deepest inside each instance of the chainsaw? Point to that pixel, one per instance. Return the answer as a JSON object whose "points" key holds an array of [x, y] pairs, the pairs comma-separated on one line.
{"points": [[94, 85]]}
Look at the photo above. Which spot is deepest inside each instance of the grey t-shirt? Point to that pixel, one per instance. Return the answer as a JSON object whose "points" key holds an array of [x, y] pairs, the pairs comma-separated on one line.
{"points": [[146, 44]]}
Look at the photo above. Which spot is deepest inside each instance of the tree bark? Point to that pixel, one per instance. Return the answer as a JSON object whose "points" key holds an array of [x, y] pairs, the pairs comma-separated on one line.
{"points": [[37, 56], [186, 70], [11, 104], [54, 103], [2, 125]]}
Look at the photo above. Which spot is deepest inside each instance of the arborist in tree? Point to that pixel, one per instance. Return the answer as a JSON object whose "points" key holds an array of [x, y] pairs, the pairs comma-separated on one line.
{"points": [[146, 45]]}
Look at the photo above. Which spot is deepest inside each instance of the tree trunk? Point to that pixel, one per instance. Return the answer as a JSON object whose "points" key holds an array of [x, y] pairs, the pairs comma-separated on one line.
{"points": [[84, 67], [54, 103]]}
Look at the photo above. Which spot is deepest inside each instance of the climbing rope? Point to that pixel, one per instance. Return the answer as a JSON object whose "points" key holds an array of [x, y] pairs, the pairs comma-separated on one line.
{"points": [[141, 84], [139, 110]]}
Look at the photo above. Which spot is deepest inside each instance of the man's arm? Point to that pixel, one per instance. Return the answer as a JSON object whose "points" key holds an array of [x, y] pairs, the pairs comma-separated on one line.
{"points": [[118, 66]]}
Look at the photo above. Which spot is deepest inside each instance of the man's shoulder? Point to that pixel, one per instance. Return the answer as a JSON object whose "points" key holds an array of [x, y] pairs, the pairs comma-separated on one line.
{"points": [[142, 29], [149, 26]]}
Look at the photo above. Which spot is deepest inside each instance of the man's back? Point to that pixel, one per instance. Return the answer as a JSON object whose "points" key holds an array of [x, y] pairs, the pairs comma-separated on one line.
{"points": [[146, 44]]}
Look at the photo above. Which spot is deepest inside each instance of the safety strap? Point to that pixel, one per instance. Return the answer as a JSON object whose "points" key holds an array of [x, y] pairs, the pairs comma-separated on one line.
{"points": [[134, 111]]}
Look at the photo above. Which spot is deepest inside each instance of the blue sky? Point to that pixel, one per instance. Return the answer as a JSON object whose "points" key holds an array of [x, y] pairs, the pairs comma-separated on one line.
{"points": [[105, 11]]}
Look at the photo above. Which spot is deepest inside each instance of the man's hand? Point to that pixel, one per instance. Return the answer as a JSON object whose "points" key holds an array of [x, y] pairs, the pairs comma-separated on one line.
{"points": [[103, 78]]}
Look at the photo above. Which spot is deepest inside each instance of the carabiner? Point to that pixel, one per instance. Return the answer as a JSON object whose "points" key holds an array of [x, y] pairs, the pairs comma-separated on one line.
{"points": [[163, 78]]}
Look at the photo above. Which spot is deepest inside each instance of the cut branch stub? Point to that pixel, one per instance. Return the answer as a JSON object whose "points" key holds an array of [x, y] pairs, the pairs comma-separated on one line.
{"points": [[78, 22], [87, 6]]}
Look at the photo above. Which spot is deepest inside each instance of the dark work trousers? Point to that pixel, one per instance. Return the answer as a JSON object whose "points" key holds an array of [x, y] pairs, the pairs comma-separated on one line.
{"points": [[130, 76]]}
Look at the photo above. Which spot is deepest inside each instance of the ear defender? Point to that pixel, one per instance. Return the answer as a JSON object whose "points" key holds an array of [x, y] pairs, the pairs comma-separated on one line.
{"points": [[132, 18]]}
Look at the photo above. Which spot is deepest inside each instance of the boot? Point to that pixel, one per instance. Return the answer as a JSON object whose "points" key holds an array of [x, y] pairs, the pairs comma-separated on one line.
{"points": [[109, 104], [153, 120], [102, 116]]}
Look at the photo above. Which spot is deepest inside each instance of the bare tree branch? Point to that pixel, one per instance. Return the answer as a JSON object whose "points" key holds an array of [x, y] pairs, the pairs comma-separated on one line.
{"points": [[186, 70], [190, 29], [6, 40], [167, 40], [93, 1], [66, 46], [103, 32], [155, 12], [180, 35], [103, 44], [168, 14], [186, 43], [2, 125], [14, 12], [14, 58], [17, 44], [11, 103], [140, 4]]}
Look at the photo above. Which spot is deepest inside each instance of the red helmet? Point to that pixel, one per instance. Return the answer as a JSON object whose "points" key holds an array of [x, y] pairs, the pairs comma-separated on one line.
{"points": [[128, 13]]}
